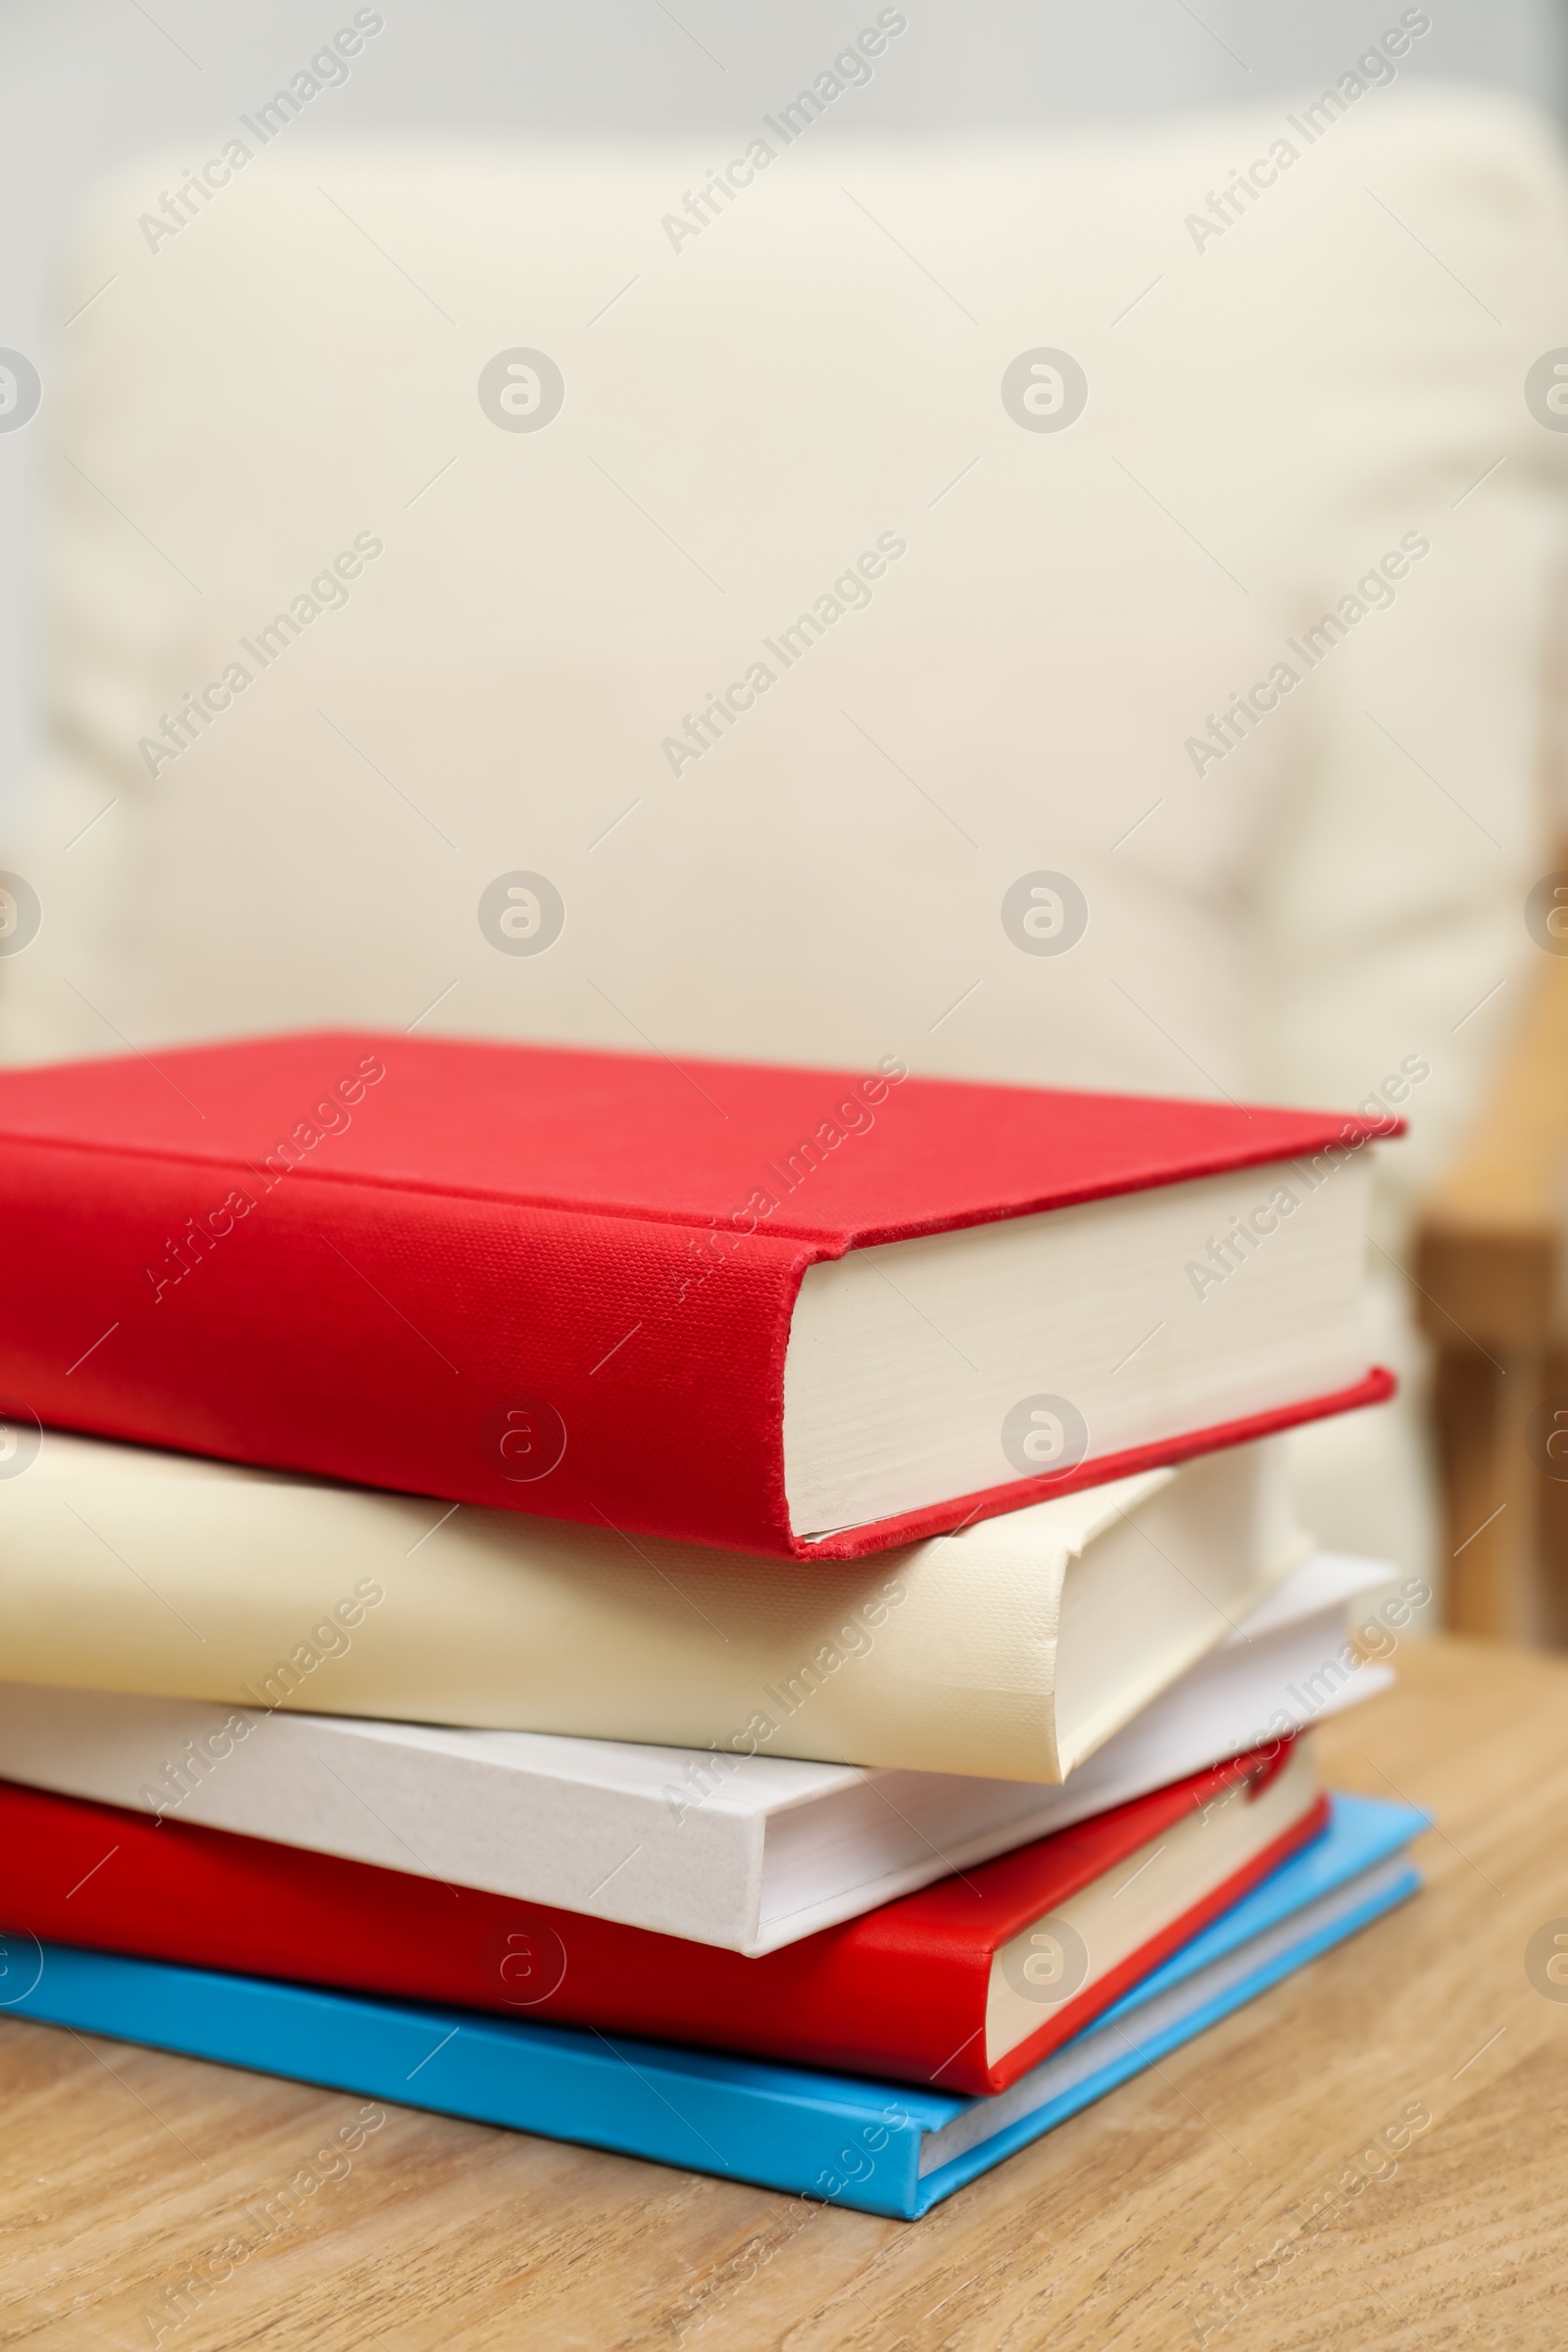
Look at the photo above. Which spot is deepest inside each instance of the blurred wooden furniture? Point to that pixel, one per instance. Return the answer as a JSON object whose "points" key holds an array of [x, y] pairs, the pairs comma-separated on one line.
{"points": [[1490, 1257], [1171, 2215]]}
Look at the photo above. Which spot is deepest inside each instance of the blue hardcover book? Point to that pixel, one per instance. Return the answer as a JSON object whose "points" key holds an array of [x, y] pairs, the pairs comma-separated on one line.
{"points": [[880, 2147]]}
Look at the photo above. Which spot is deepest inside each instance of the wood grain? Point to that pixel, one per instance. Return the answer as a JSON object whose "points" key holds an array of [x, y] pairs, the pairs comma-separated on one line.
{"points": [[1146, 2223]]}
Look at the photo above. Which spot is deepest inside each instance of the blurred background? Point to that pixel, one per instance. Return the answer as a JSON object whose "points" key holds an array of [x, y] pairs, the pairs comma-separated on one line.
{"points": [[88, 84], [1129, 443]]}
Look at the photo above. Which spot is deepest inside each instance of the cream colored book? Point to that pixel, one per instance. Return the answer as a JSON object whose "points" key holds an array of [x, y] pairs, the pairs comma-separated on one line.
{"points": [[1012, 1650], [752, 1853]]}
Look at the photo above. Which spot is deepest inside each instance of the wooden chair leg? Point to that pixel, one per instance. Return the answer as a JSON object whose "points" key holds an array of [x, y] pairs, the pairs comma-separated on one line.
{"points": [[1552, 1511], [1493, 1504]]}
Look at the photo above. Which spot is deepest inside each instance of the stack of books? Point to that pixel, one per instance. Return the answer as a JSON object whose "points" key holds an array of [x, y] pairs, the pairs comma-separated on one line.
{"points": [[741, 1615]]}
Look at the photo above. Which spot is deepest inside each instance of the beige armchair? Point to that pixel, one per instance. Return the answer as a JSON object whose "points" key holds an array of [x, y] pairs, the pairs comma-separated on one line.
{"points": [[1304, 449]]}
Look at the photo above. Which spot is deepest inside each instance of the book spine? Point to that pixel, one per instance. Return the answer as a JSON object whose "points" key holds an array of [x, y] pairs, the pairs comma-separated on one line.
{"points": [[530, 1359], [212, 1899], [858, 2146]]}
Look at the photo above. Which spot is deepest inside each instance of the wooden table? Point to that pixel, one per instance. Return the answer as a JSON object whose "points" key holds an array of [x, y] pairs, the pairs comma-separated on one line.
{"points": [[1171, 2214]]}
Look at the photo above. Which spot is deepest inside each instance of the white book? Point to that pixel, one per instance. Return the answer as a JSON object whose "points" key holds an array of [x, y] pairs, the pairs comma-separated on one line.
{"points": [[1012, 1648], [750, 1852]]}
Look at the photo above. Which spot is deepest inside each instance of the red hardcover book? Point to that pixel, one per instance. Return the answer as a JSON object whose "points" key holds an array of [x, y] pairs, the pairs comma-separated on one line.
{"points": [[798, 1312], [965, 1985]]}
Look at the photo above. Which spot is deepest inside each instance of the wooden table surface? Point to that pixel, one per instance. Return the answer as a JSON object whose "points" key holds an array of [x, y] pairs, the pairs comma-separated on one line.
{"points": [[1177, 2211]]}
